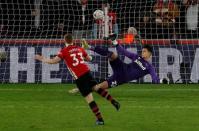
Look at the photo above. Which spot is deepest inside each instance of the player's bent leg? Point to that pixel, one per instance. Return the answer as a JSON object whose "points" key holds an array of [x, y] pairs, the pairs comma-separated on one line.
{"points": [[103, 85], [109, 83], [89, 99], [104, 52], [104, 93], [117, 65]]}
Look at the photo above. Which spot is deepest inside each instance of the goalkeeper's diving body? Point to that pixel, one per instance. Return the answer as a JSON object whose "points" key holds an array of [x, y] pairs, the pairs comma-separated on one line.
{"points": [[122, 72]]}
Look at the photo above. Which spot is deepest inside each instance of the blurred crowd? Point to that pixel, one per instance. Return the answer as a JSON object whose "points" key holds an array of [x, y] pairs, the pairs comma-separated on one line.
{"points": [[151, 19]]}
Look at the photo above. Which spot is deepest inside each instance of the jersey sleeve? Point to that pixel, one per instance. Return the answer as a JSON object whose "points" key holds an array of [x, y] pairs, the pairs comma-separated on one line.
{"points": [[60, 54], [126, 53], [155, 78]]}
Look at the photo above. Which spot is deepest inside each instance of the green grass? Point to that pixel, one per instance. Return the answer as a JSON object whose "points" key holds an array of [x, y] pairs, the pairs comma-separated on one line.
{"points": [[48, 107]]}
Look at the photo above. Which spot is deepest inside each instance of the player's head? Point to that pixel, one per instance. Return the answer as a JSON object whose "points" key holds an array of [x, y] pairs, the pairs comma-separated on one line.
{"points": [[68, 38], [147, 51]]}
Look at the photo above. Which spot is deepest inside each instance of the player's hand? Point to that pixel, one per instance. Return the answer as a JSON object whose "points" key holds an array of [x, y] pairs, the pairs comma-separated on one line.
{"points": [[39, 57], [84, 44]]}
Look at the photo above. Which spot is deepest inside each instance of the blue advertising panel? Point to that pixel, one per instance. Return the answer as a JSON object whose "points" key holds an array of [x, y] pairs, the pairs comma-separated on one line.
{"points": [[179, 63]]}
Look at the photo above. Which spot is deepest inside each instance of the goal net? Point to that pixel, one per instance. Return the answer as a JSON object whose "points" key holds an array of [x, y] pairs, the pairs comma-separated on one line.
{"points": [[29, 27]]}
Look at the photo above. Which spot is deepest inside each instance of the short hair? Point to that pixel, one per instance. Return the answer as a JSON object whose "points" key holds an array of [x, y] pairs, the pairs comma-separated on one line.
{"points": [[68, 38], [149, 48]]}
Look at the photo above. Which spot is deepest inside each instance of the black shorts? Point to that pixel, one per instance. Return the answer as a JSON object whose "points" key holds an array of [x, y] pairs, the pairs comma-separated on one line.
{"points": [[86, 83], [119, 73]]}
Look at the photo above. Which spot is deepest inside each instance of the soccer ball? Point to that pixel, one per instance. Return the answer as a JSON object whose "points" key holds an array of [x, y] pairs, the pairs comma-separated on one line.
{"points": [[98, 14]]}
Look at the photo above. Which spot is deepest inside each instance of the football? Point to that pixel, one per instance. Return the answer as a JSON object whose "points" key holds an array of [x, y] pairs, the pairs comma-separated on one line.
{"points": [[98, 14]]}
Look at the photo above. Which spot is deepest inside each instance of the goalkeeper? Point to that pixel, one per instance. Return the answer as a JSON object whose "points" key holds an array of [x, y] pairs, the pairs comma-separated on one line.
{"points": [[122, 72]]}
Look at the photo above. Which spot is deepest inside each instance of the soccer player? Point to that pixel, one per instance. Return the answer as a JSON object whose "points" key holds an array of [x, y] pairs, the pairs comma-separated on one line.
{"points": [[74, 57], [122, 72]]}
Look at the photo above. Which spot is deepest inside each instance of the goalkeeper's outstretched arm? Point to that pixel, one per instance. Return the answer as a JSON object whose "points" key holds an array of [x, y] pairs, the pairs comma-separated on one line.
{"points": [[53, 60], [155, 78], [126, 53]]}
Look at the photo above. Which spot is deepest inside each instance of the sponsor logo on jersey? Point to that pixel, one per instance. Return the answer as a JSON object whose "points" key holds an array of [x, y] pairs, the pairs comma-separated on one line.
{"points": [[140, 64]]}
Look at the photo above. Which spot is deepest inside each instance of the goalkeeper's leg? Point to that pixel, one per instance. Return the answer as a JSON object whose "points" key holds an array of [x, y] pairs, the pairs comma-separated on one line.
{"points": [[102, 51]]}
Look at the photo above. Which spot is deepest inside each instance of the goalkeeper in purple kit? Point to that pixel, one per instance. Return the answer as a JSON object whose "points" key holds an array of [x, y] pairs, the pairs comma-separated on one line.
{"points": [[122, 72]]}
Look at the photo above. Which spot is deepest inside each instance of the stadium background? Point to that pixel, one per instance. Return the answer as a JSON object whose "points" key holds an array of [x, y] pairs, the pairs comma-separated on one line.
{"points": [[28, 27]]}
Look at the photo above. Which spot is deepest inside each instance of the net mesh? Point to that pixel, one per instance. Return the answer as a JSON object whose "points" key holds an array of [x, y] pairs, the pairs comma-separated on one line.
{"points": [[28, 27]]}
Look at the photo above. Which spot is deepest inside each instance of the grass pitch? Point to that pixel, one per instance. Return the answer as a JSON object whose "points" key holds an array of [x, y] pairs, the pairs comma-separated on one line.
{"points": [[146, 107]]}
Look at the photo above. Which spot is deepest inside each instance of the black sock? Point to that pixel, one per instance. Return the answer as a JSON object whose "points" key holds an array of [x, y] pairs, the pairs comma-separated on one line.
{"points": [[95, 110], [105, 94]]}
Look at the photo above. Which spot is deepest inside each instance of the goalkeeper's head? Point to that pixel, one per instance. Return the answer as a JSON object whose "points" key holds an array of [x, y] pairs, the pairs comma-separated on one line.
{"points": [[68, 38], [147, 52]]}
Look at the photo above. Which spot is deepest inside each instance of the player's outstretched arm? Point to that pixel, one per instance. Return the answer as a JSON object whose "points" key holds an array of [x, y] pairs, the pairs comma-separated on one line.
{"points": [[126, 53], [53, 60], [155, 78]]}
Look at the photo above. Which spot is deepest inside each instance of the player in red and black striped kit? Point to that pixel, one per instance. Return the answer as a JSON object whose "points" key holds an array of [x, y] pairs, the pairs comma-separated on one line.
{"points": [[74, 57]]}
